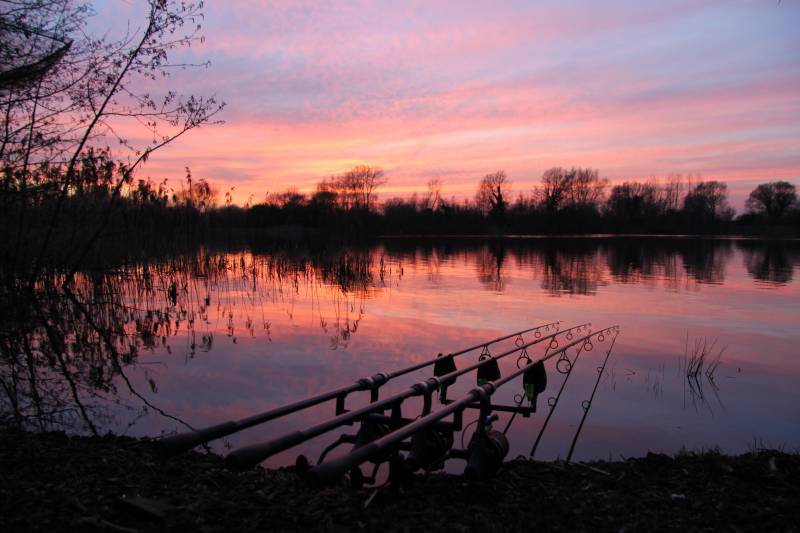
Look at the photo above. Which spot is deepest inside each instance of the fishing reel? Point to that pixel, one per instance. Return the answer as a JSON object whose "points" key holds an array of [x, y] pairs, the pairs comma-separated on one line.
{"points": [[429, 449], [486, 451], [369, 431]]}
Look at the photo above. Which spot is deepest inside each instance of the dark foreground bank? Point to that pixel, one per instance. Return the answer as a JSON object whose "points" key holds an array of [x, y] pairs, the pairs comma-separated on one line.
{"points": [[51, 482]]}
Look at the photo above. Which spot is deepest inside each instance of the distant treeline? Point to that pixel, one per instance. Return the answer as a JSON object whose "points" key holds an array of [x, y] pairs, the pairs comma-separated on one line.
{"points": [[145, 215], [574, 200], [567, 200]]}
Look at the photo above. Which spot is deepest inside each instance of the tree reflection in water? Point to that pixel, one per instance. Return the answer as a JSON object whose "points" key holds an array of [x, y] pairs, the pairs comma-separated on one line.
{"points": [[68, 345], [679, 263], [578, 270], [771, 262], [490, 261]]}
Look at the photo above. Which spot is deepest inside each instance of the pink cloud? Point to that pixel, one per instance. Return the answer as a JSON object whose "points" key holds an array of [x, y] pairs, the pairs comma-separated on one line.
{"points": [[426, 91]]}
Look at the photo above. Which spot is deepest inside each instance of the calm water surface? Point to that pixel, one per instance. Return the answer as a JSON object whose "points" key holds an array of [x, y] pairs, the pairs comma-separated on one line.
{"points": [[219, 336]]}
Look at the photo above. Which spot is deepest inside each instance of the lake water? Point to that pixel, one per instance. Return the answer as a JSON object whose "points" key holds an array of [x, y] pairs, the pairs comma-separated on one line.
{"points": [[221, 335]]}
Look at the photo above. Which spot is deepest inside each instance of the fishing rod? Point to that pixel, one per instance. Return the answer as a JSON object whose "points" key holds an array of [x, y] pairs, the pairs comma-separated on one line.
{"points": [[563, 366], [538, 382], [587, 404], [249, 456], [429, 449], [182, 442], [332, 470]]}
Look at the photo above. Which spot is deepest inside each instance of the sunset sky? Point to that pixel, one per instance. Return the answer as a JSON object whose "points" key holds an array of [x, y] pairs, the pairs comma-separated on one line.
{"points": [[455, 90]]}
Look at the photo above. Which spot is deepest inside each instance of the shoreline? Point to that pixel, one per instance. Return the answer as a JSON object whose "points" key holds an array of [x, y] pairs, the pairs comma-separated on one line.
{"points": [[51, 481]]}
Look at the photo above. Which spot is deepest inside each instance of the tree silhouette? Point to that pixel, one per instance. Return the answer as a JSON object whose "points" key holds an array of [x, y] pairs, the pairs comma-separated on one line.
{"points": [[90, 85], [772, 200], [355, 189], [575, 188], [708, 202], [493, 191]]}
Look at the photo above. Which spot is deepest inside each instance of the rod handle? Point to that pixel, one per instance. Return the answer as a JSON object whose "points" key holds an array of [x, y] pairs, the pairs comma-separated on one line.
{"points": [[182, 442], [249, 456], [331, 471]]}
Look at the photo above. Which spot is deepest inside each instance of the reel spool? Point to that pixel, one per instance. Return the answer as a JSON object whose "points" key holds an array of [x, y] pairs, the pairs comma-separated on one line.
{"points": [[429, 449], [486, 451]]}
